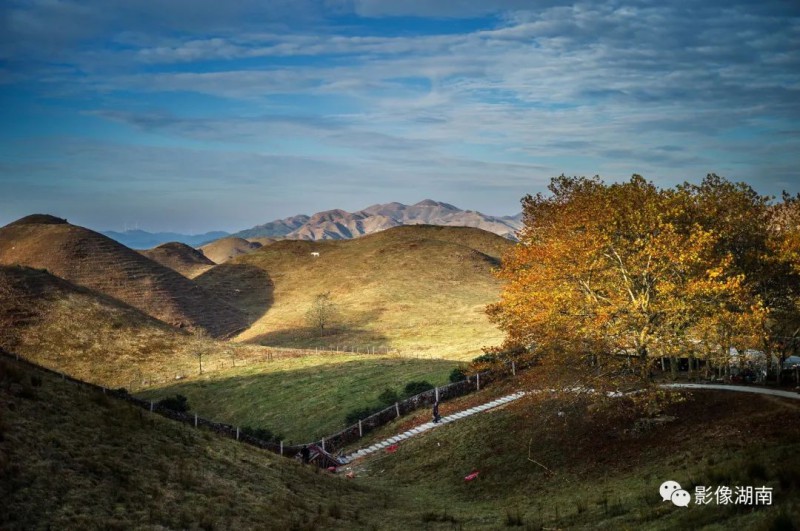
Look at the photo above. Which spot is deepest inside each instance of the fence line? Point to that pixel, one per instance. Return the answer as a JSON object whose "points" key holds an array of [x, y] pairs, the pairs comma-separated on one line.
{"points": [[332, 443]]}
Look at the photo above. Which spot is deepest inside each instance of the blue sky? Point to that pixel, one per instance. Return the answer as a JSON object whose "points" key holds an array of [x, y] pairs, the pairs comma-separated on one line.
{"points": [[195, 115]]}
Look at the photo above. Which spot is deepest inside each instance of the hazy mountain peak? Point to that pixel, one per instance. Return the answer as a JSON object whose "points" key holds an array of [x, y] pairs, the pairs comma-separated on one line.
{"points": [[340, 224]]}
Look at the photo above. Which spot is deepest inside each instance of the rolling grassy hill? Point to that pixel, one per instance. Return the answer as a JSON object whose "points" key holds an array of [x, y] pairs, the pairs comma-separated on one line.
{"points": [[421, 289], [90, 259], [97, 338], [72, 458], [186, 260], [222, 250]]}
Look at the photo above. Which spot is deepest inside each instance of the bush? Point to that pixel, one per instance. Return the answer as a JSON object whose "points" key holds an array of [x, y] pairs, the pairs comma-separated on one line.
{"points": [[177, 403], [485, 358], [415, 388], [388, 397], [457, 375], [361, 413], [260, 433]]}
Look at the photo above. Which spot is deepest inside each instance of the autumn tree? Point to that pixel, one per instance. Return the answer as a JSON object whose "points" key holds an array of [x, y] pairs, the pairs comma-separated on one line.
{"points": [[608, 277]]}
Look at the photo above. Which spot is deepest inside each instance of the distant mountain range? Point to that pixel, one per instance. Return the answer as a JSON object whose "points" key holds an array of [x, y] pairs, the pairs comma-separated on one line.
{"points": [[339, 225], [140, 239]]}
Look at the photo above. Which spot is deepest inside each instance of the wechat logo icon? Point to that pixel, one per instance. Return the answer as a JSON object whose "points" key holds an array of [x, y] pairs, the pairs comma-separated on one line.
{"points": [[672, 491]]}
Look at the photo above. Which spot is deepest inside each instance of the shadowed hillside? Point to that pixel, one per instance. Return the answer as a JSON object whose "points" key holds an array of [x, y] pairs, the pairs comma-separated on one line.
{"points": [[224, 249], [186, 260], [97, 338], [244, 286], [417, 288], [73, 458], [95, 261]]}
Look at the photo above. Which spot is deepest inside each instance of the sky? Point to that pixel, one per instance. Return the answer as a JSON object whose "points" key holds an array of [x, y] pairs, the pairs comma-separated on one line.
{"points": [[198, 115]]}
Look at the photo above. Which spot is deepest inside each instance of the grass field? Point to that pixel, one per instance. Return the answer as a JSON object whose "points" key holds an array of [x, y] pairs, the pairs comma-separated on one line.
{"points": [[74, 458], [304, 398]]}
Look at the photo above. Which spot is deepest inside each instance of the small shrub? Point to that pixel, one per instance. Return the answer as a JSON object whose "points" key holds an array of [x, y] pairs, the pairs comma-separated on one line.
{"points": [[260, 433], [415, 388], [177, 403], [388, 397], [485, 358], [457, 375], [361, 413]]}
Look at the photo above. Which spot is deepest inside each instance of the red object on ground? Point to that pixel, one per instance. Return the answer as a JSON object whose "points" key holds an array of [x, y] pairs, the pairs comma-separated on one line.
{"points": [[392, 449], [331, 469], [471, 476]]}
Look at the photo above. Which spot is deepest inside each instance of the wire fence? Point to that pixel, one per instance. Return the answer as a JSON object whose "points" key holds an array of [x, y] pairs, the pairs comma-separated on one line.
{"points": [[331, 444]]}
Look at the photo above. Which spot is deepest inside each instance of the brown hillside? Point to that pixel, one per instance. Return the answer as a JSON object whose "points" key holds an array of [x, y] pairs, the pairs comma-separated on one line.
{"points": [[97, 338], [186, 260], [415, 288], [90, 259], [222, 250]]}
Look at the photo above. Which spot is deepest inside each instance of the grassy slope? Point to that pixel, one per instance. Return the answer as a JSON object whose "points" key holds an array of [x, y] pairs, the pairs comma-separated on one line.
{"points": [[186, 260], [97, 338], [90, 259], [416, 288], [604, 476], [304, 398], [71, 458]]}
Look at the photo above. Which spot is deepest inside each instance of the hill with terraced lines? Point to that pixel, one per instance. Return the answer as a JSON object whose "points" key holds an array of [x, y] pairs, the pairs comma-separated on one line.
{"points": [[90, 259]]}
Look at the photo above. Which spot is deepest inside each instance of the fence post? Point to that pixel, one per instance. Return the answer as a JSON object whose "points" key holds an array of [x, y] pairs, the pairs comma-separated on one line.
{"points": [[151, 406], [513, 369], [397, 408], [478, 381], [323, 444], [437, 394], [360, 431], [195, 420], [237, 433], [281, 447]]}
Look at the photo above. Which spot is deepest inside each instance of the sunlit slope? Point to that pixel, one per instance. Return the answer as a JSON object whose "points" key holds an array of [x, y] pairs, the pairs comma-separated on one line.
{"points": [[72, 458], [95, 337], [420, 289], [90, 259], [302, 399], [186, 260], [223, 249]]}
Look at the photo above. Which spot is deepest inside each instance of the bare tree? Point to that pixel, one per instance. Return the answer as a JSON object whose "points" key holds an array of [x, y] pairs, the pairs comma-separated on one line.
{"points": [[323, 311]]}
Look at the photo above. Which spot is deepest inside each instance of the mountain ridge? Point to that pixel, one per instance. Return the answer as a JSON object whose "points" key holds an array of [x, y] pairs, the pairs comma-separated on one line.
{"points": [[338, 224]]}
